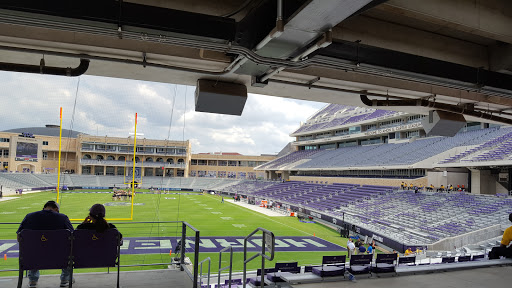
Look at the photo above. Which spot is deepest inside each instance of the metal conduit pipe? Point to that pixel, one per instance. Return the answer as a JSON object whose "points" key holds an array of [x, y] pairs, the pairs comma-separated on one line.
{"points": [[434, 105], [325, 41], [42, 69], [109, 59], [248, 53]]}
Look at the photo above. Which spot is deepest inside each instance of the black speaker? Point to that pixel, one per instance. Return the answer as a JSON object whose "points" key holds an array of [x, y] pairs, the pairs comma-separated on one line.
{"points": [[442, 123], [220, 97]]}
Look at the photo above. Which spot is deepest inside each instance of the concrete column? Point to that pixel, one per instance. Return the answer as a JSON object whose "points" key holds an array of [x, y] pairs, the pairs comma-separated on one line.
{"points": [[285, 175], [475, 181], [104, 170]]}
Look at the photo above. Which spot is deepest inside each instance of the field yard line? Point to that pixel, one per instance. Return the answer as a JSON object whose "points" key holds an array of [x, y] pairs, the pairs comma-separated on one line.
{"points": [[269, 218]]}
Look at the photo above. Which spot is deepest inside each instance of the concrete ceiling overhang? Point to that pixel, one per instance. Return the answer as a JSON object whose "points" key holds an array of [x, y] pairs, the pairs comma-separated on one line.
{"points": [[452, 51]]}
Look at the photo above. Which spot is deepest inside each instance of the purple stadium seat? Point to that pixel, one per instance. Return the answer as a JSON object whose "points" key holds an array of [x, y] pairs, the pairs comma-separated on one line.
{"points": [[385, 263], [411, 260], [448, 260], [360, 264], [331, 266], [283, 268], [54, 246], [256, 281], [92, 249]]}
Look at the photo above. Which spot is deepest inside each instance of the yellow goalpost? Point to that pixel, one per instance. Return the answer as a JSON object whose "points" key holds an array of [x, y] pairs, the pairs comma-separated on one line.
{"points": [[133, 172]]}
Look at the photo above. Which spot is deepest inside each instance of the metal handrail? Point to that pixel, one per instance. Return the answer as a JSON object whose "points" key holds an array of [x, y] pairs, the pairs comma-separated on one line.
{"points": [[201, 271], [230, 266], [262, 253]]}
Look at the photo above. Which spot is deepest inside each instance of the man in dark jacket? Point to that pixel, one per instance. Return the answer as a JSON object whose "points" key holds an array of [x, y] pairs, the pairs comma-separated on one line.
{"points": [[47, 219]]}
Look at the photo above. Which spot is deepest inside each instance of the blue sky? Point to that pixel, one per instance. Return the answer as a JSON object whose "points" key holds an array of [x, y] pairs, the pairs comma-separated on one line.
{"points": [[107, 106]]}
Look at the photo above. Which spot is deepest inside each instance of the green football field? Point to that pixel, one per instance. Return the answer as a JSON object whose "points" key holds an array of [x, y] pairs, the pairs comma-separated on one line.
{"points": [[204, 212]]}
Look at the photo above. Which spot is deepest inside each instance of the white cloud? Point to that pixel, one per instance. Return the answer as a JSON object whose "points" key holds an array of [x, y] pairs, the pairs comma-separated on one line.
{"points": [[107, 106]]}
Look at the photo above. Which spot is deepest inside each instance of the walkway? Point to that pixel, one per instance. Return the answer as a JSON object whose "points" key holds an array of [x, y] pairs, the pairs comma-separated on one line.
{"points": [[268, 212]]}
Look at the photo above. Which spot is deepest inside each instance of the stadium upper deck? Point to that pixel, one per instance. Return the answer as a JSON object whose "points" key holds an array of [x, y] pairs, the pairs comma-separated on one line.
{"points": [[347, 141]]}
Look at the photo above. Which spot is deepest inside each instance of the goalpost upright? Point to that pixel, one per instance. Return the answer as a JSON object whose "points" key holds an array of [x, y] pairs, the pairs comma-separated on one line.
{"points": [[133, 171]]}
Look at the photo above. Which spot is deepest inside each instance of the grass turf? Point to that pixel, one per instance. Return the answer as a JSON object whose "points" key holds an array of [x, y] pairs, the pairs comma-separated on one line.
{"points": [[194, 209]]}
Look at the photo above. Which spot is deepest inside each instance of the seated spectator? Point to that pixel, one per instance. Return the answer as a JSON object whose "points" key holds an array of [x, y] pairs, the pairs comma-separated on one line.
{"points": [[47, 219], [503, 250], [96, 220]]}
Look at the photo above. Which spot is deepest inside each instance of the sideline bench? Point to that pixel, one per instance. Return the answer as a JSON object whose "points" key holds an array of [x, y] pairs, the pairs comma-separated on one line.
{"points": [[61, 249]]}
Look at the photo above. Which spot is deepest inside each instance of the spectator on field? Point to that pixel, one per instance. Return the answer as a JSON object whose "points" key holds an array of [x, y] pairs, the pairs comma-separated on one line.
{"points": [[351, 248], [405, 186], [402, 185], [370, 249], [47, 219], [411, 187], [396, 252], [506, 240], [361, 250]]}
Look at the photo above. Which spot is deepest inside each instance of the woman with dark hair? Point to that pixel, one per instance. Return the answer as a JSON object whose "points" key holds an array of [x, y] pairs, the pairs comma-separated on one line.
{"points": [[96, 220]]}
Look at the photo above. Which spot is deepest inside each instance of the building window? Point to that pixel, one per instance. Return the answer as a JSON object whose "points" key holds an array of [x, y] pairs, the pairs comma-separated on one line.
{"points": [[415, 133], [45, 155], [45, 143], [327, 146], [4, 139], [223, 163]]}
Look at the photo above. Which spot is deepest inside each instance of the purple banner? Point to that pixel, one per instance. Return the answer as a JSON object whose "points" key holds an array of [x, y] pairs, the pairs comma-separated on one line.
{"points": [[157, 245]]}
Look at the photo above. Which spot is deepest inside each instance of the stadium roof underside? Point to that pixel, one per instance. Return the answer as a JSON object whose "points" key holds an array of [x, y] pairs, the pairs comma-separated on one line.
{"points": [[455, 52]]}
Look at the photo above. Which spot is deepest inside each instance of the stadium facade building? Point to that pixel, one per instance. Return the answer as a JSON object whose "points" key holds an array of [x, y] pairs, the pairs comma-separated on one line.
{"points": [[36, 150], [346, 144], [228, 165]]}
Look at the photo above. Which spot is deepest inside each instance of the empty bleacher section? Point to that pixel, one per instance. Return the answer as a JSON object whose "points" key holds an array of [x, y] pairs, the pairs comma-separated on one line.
{"points": [[498, 147], [27, 181], [403, 216], [334, 115], [498, 140]]}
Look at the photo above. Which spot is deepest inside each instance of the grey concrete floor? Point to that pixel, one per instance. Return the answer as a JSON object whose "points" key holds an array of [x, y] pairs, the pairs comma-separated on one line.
{"points": [[473, 278], [132, 279]]}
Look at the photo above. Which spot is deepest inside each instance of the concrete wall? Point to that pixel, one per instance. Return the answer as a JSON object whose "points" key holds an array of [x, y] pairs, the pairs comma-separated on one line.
{"points": [[367, 181], [483, 182], [448, 244], [438, 178]]}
